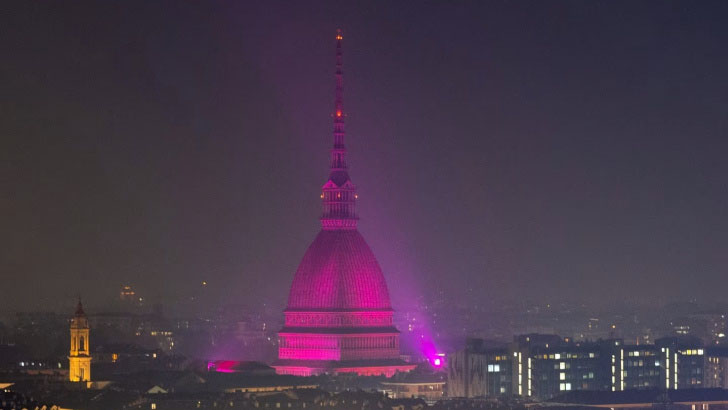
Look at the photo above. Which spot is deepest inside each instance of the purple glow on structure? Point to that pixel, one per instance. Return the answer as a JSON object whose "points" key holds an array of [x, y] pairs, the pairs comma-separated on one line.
{"points": [[438, 361], [420, 338], [341, 346], [339, 311], [338, 257], [222, 366]]}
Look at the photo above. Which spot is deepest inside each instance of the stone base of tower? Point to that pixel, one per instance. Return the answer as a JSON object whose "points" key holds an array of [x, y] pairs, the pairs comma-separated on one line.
{"points": [[79, 368], [387, 368], [362, 342]]}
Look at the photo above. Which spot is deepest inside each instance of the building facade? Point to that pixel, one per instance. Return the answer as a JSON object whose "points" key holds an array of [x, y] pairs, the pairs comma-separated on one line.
{"points": [[716, 367], [479, 371], [430, 391], [79, 358], [637, 367], [546, 366]]}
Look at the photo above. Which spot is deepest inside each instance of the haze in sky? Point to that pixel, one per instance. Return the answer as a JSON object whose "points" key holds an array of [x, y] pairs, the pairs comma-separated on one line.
{"points": [[503, 150]]}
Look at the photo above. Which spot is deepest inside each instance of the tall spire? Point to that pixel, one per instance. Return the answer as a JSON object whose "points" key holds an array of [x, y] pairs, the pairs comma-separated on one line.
{"points": [[339, 193], [338, 153], [79, 308]]}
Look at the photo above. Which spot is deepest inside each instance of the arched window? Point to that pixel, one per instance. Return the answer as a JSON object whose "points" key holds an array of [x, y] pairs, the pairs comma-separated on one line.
{"points": [[82, 345]]}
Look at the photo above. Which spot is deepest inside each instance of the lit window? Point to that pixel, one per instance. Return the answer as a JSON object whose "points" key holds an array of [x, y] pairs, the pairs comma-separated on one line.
{"points": [[562, 365], [562, 376]]}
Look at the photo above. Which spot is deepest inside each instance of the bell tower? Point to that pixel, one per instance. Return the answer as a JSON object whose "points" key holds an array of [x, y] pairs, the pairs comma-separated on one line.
{"points": [[79, 359]]}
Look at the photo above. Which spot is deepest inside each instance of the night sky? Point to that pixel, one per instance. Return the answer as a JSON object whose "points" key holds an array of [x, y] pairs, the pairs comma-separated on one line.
{"points": [[503, 150]]}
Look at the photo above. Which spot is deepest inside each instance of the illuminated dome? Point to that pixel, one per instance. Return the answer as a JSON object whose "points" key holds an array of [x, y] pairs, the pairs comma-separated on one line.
{"points": [[339, 318], [339, 272]]}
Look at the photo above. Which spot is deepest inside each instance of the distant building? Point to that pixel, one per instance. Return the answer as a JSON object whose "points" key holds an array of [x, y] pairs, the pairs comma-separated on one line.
{"points": [[257, 383], [708, 326], [236, 366], [544, 366], [127, 294], [684, 362], [716, 367], [548, 371], [637, 367], [479, 371], [339, 315], [79, 359], [429, 387]]}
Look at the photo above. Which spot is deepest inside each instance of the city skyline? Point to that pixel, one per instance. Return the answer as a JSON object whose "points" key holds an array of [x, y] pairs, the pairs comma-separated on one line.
{"points": [[571, 151]]}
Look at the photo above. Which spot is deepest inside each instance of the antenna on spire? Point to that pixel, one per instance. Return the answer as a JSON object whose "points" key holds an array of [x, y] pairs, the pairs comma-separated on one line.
{"points": [[339, 193], [338, 160], [79, 307], [339, 109]]}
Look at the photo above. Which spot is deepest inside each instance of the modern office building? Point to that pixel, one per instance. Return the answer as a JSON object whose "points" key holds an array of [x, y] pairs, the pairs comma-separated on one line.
{"points": [[479, 371], [684, 362], [636, 367], [545, 366], [716, 367]]}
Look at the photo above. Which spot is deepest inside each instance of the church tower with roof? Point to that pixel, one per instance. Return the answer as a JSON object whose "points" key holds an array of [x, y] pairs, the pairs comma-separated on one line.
{"points": [[339, 316], [79, 359]]}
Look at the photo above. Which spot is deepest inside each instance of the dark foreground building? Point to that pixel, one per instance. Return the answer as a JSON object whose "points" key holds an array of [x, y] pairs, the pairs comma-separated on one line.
{"points": [[686, 399]]}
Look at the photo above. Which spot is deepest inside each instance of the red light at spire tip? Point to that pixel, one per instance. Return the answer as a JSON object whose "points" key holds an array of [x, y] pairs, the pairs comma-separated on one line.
{"points": [[338, 113], [338, 35]]}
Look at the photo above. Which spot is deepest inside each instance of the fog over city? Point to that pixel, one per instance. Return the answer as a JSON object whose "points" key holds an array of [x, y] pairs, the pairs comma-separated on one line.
{"points": [[535, 152], [337, 205]]}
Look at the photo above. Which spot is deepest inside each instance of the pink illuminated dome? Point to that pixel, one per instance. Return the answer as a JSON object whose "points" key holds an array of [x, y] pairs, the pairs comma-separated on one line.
{"points": [[339, 317], [339, 272]]}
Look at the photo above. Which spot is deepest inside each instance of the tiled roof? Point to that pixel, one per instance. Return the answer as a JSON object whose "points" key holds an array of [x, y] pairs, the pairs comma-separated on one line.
{"points": [[339, 272], [641, 396]]}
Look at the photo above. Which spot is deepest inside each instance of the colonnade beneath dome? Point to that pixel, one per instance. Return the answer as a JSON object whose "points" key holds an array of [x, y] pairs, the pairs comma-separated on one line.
{"points": [[339, 319], [302, 346]]}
